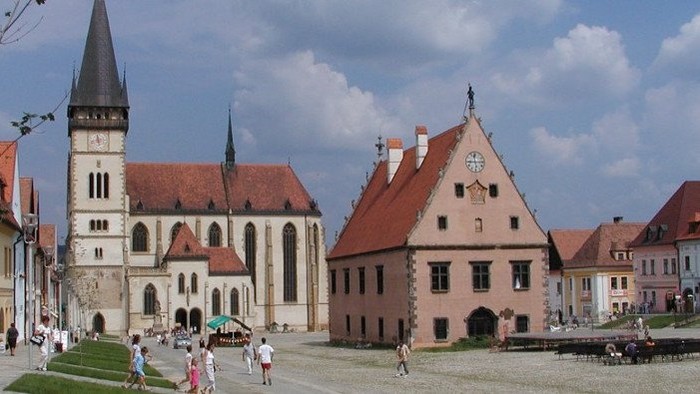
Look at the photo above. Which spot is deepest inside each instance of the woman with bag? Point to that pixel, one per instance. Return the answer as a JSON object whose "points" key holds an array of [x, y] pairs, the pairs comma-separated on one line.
{"points": [[12, 335], [44, 331]]}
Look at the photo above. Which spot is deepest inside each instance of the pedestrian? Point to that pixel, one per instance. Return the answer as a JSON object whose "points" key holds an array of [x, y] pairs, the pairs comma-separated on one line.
{"points": [[45, 331], [265, 354], [631, 350], [249, 353], [188, 367], [139, 362], [135, 350], [12, 335], [202, 350], [194, 377], [210, 368], [402, 352]]}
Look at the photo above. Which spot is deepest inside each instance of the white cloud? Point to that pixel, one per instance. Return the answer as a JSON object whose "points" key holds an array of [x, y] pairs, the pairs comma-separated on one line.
{"points": [[623, 168], [679, 53], [616, 132], [560, 150], [588, 64]]}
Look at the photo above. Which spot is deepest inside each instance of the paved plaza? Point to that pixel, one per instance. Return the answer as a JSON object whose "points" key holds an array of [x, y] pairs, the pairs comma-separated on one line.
{"points": [[304, 363]]}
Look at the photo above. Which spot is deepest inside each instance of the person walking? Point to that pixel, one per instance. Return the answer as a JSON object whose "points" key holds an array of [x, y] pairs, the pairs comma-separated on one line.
{"points": [[12, 335], [210, 368], [249, 353], [402, 353], [135, 350], [45, 331], [194, 377], [265, 354], [188, 367], [139, 362]]}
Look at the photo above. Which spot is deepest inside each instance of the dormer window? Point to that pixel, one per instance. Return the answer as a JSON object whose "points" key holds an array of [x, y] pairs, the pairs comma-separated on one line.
{"points": [[211, 205], [662, 230], [651, 230], [248, 205], [139, 205], [287, 205], [178, 204]]}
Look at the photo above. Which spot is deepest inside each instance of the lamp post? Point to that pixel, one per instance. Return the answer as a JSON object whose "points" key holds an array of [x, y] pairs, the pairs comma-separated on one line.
{"points": [[48, 265], [30, 222]]}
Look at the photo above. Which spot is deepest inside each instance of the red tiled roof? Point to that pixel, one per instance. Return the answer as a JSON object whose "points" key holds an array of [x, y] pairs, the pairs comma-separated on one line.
{"points": [[568, 242], [222, 261], [26, 191], [8, 159], [47, 235], [386, 213], [607, 238], [254, 187], [675, 215]]}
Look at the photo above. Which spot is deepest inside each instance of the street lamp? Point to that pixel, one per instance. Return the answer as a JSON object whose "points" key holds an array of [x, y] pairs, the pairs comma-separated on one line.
{"points": [[30, 223]]}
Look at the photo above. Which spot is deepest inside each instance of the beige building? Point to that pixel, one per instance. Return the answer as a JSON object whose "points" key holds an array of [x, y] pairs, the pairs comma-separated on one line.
{"points": [[178, 243], [440, 246]]}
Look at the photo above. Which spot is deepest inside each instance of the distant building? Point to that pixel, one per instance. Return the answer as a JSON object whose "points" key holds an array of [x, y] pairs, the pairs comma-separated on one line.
{"points": [[669, 235], [440, 246], [161, 245], [563, 245], [12, 296], [599, 278]]}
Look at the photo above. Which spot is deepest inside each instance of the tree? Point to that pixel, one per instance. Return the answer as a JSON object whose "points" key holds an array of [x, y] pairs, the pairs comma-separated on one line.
{"points": [[12, 30]]}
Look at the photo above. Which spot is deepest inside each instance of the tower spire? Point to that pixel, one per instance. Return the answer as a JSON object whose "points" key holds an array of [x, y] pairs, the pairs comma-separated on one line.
{"points": [[230, 149], [98, 81]]}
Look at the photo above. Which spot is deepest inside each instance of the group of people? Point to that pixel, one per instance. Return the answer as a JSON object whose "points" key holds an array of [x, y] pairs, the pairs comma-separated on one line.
{"points": [[263, 356], [631, 350]]}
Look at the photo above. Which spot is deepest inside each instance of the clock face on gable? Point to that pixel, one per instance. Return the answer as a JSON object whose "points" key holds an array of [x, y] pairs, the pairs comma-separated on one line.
{"points": [[475, 161], [97, 142]]}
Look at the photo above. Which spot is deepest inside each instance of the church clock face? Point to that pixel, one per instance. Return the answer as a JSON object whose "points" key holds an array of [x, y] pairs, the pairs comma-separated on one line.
{"points": [[475, 161], [97, 142]]}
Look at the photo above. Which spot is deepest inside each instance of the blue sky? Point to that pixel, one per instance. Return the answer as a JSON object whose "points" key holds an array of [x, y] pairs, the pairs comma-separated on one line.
{"points": [[595, 106]]}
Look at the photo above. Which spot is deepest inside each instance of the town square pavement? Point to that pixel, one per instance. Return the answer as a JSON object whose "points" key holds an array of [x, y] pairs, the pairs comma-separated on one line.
{"points": [[304, 363]]}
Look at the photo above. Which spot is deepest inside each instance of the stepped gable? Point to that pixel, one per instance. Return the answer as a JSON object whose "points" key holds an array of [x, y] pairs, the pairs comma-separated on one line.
{"points": [[386, 213], [673, 218], [267, 188], [222, 260], [598, 248], [157, 187]]}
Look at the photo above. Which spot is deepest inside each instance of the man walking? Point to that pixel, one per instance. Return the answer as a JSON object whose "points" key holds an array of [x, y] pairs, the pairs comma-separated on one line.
{"points": [[249, 354], [265, 354], [402, 352]]}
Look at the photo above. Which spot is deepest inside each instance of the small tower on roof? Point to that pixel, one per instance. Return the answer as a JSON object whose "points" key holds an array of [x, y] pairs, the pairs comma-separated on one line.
{"points": [[230, 148]]}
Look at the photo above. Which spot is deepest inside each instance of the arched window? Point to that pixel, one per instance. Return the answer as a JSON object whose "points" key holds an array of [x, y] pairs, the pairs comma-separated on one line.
{"points": [[139, 238], [181, 284], [99, 185], [91, 185], [289, 250], [214, 236], [149, 300], [174, 231], [250, 250], [193, 284], [235, 310], [105, 186], [216, 302]]}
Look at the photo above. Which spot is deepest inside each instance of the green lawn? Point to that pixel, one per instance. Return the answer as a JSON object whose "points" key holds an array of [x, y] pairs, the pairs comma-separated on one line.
{"points": [[40, 384]]}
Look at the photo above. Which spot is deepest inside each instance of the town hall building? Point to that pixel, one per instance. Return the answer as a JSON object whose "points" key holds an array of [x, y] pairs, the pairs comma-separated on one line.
{"points": [[160, 245]]}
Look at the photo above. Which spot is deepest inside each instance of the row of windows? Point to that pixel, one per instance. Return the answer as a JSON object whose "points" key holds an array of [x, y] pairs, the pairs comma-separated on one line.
{"points": [[380, 328], [150, 297], [181, 284], [8, 263], [99, 225], [459, 190], [478, 223], [139, 236], [668, 268], [98, 185], [361, 281]]}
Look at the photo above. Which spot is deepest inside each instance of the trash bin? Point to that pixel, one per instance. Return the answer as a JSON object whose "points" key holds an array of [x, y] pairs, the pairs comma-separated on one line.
{"points": [[59, 347]]}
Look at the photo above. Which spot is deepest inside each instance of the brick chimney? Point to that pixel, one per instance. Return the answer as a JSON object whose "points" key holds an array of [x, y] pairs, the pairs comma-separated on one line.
{"points": [[617, 219], [395, 148], [421, 144]]}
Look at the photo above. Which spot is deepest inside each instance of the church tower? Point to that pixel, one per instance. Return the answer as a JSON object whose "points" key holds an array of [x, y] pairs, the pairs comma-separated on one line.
{"points": [[98, 121]]}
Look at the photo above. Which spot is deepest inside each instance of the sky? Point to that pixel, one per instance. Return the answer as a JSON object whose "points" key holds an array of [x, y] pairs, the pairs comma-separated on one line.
{"points": [[595, 106]]}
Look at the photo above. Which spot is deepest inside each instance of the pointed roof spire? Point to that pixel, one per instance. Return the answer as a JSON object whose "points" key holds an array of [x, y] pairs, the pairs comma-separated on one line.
{"points": [[230, 150], [98, 82]]}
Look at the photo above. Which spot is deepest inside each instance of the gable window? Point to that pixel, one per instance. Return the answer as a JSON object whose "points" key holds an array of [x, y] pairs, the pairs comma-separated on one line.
{"points": [[493, 190], [442, 222], [521, 274], [214, 236], [514, 222], [361, 279], [380, 279], [333, 282], [440, 277], [440, 328], [149, 300], [215, 302], [181, 284], [480, 275], [250, 251], [235, 310], [289, 257], [478, 225], [346, 280], [459, 190], [139, 238], [193, 283]]}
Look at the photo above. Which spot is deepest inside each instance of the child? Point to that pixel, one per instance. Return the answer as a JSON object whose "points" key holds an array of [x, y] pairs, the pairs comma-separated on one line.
{"points": [[139, 362], [135, 349], [194, 377]]}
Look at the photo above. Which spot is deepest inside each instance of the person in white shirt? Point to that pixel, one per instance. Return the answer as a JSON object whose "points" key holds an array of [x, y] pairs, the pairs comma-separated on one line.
{"points": [[210, 368], [44, 330], [265, 354], [188, 366], [249, 354]]}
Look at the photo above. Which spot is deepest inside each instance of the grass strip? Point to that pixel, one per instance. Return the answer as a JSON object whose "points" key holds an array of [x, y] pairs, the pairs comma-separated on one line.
{"points": [[114, 376], [45, 384]]}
